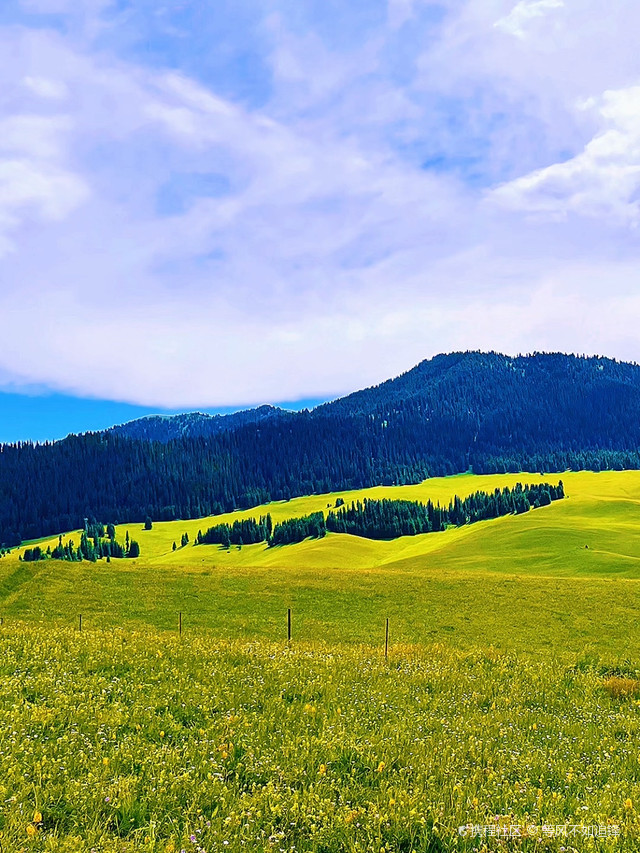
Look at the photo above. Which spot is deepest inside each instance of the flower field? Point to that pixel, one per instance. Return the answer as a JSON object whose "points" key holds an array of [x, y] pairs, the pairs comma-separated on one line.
{"points": [[144, 741]]}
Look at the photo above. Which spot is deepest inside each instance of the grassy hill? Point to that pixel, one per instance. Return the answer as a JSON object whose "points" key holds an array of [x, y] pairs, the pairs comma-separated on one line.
{"points": [[524, 581], [604, 505], [510, 694]]}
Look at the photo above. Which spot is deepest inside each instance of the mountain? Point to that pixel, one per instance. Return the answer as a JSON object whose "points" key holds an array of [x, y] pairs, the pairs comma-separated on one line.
{"points": [[193, 424], [467, 410]]}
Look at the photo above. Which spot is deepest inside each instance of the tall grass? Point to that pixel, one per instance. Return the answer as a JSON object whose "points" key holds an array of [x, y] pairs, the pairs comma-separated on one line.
{"points": [[139, 741]]}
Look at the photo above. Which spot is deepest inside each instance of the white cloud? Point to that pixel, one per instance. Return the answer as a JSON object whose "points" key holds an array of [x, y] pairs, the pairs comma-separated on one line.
{"points": [[382, 204], [523, 13], [603, 180], [35, 183], [53, 193], [46, 88], [38, 136], [63, 7], [400, 11]]}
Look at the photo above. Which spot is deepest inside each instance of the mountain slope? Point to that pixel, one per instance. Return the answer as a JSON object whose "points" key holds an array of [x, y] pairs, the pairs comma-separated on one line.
{"points": [[484, 411], [193, 424]]}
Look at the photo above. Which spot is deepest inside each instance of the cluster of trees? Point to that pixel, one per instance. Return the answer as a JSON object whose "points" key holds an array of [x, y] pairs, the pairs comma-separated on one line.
{"points": [[95, 544], [297, 529], [247, 531], [388, 519], [586, 460], [184, 541], [483, 505], [385, 519], [465, 411]]}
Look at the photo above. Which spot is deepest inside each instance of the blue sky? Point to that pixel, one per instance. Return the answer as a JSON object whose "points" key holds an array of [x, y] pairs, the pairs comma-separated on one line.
{"points": [[211, 206], [42, 416]]}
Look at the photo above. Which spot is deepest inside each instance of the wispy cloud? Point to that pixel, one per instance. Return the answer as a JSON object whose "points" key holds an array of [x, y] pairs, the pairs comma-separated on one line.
{"points": [[345, 190], [524, 13], [602, 180]]}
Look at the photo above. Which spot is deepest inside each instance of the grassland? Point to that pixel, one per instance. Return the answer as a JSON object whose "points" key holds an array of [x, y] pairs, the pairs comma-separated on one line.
{"points": [[511, 695], [120, 741], [525, 582]]}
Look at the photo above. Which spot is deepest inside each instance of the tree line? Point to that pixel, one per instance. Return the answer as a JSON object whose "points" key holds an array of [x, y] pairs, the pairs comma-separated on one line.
{"points": [[96, 543], [298, 529], [247, 531], [386, 518]]}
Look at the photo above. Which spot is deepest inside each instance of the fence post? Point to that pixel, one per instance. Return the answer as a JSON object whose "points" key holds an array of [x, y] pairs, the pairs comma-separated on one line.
{"points": [[80, 622], [180, 623], [288, 625], [386, 640]]}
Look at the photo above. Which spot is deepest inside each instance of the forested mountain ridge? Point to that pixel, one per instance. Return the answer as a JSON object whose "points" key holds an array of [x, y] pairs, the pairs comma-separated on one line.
{"points": [[484, 411], [193, 424]]}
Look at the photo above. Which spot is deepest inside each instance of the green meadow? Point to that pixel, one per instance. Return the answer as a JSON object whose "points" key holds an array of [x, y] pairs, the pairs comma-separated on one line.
{"points": [[509, 701], [120, 741], [563, 576]]}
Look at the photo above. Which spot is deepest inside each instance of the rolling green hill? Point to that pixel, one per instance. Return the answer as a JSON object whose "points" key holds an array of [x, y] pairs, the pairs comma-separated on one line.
{"points": [[560, 576], [510, 693]]}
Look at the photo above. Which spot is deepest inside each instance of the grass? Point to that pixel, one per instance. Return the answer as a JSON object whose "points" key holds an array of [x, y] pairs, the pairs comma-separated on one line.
{"points": [[525, 582], [511, 694], [139, 741], [601, 512]]}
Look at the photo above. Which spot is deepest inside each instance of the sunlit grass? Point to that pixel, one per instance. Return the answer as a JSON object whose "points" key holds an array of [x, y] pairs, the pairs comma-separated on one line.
{"points": [[602, 512], [510, 694], [519, 582], [122, 741]]}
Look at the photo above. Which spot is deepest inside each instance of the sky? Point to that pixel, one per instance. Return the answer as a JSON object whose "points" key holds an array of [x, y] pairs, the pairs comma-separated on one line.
{"points": [[41, 416], [216, 205]]}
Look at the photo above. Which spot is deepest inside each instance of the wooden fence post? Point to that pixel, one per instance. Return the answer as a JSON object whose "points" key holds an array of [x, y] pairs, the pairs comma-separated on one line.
{"points": [[288, 625], [386, 640], [180, 623]]}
